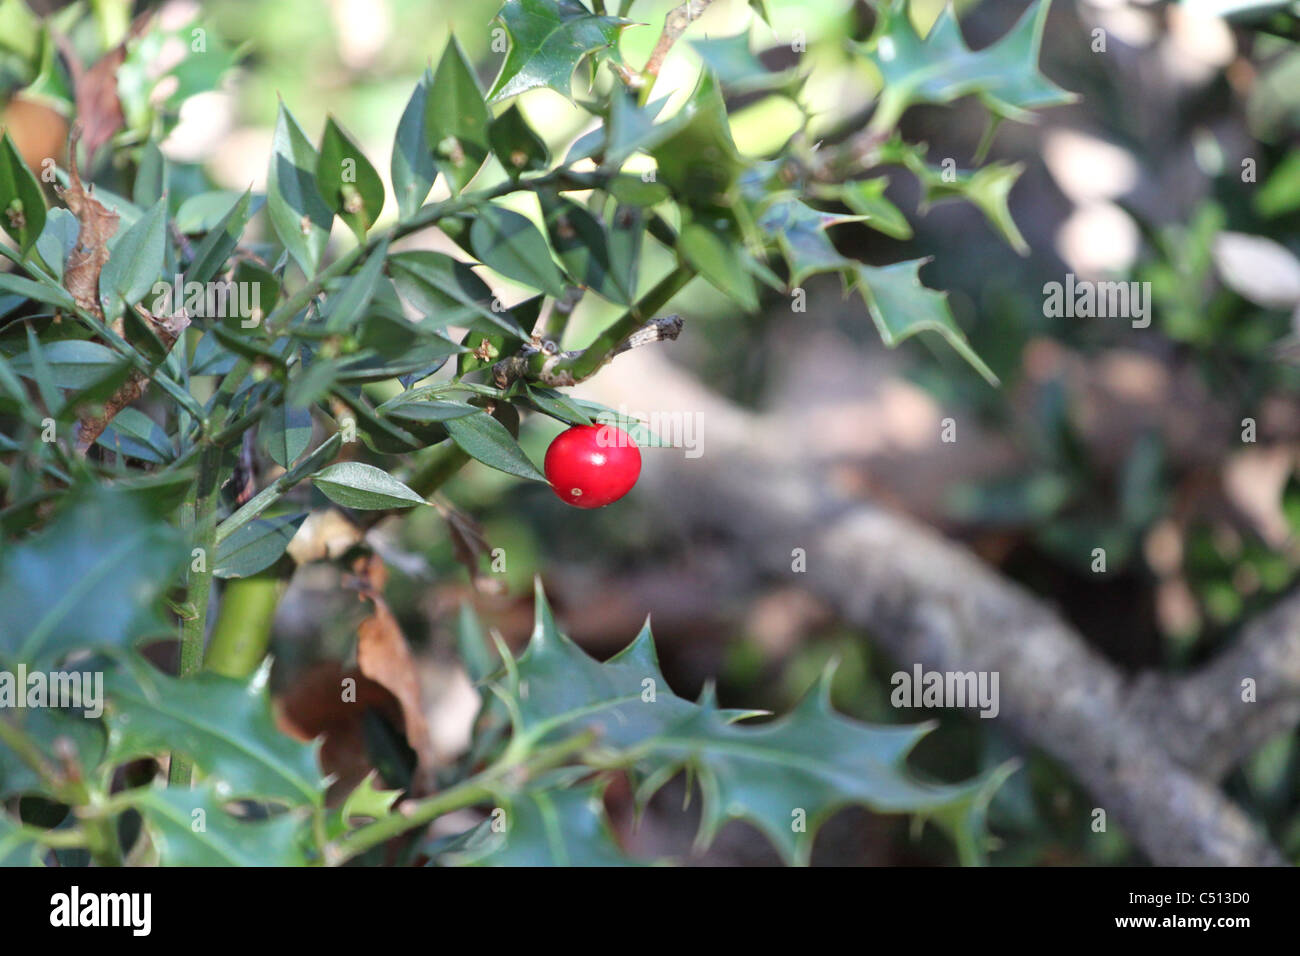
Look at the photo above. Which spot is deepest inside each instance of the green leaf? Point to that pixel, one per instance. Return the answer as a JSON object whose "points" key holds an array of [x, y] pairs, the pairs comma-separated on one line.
{"points": [[348, 183], [284, 432], [369, 801], [800, 232], [446, 290], [150, 177], [901, 307], [738, 68], [192, 828], [696, 156], [805, 765], [58, 239], [18, 846], [203, 211], [293, 200], [94, 577], [582, 243], [135, 434], [549, 827], [509, 243], [50, 294], [419, 411], [136, 261], [718, 257], [866, 197], [456, 119], [548, 39], [22, 204], [344, 309], [225, 726], [517, 147], [82, 738], [212, 252], [75, 363], [413, 168], [941, 68], [256, 546], [354, 484], [474, 648], [484, 438], [556, 404]]}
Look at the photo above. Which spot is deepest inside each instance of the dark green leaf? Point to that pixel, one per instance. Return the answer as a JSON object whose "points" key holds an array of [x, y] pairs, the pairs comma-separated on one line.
{"points": [[192, 828], [456, 119], [256, 546], [284, 432], [509, 243], [518, 148], [22, 204], [212, 252], [413, 168], [354, 484], [293, 200], [348, 183], [486, 439], [135, 263], [548, 39]]}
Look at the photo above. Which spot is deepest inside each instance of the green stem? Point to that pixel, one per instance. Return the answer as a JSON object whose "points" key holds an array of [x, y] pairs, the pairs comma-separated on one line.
{"points": [[242, 633], [576, 366], [278, 488], [201, 516], [467, 793]]}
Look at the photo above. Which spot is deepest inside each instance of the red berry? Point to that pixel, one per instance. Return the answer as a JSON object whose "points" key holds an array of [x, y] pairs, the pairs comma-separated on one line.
{"points": [[591, 466]]}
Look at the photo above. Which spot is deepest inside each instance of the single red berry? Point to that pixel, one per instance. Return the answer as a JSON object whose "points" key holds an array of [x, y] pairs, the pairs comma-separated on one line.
{"points": [[591, 466]]}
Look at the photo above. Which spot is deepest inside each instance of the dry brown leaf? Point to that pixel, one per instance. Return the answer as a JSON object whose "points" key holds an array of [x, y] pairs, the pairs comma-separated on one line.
{"points": [[384, 656], [99, 109], [98, 225]]}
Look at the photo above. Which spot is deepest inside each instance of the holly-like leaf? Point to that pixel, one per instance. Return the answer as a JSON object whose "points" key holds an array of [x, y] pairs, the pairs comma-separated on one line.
{"points": [[354, 484], [193, 828], [800, 232], [548, 39], [803, 766], [456, 119], [866, 198], [546, 827], [348, 183], [901, 307], [223, 725], [940, 67], [695, 153], [94, 577], [83, 740], [22, 204], [293, 200], [18, 846]]}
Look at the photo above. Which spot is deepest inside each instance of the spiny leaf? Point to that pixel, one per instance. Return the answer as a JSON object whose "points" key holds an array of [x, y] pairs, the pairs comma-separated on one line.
{"points": [[94, 577], [83, 736], [901, 307], [795, 770], [940, 67], [18, 846], [548, 827], [192, 828], [223, 725], [548, 39]]}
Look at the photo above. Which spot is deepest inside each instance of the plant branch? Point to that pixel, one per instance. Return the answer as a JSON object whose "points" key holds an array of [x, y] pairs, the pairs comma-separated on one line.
{"points": [[676, 23]]}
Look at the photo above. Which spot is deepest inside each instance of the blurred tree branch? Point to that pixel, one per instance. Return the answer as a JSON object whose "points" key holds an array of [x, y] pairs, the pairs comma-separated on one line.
{"points": [[929, 601]]}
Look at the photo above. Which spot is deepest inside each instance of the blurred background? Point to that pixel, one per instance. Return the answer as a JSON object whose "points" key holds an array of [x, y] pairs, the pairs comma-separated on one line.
{"points": [[1176, 166]]}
